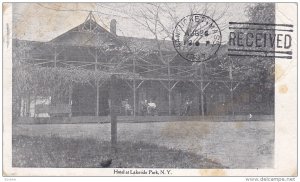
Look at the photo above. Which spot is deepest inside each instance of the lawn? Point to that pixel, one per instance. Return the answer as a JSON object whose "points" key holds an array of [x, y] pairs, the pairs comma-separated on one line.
{"points": [[89, 153], [238, 144]]}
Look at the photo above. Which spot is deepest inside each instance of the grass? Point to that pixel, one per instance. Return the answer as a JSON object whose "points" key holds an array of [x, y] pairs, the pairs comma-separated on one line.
{"points": [[57, 152]]}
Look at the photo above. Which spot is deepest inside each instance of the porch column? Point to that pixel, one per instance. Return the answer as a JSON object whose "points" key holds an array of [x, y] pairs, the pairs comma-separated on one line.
{"points": [[202, 91], [28, 105], [55, 57], [97, 98], [70, 99], [202, 98], [231, 89], [97, 84], [134, 90], [169, 88]]}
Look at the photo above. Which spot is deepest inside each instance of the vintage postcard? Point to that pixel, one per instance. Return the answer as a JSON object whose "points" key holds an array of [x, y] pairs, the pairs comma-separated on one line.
{"points": [[150, 89]]}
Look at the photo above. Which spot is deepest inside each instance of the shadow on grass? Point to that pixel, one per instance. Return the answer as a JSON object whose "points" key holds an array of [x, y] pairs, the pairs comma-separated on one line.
{"points": [[56, 152]]}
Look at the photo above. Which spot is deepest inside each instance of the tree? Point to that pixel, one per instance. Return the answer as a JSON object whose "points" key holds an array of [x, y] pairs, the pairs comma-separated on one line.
{"points": [[261, 13], [159, 20]]}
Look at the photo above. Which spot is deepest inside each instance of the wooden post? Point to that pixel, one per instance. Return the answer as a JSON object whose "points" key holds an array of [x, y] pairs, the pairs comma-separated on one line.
{"points": [[28, 106], [19, 101], [70, 99], [169, 88], [113, 112], [97, 98], [198, 91], [231, 96], [201, 91], [34, 104], [180, 109], [134, 90], [231, 89], [169, 98], [23, 106], [202, 99], [97, 85], [55, 57]]}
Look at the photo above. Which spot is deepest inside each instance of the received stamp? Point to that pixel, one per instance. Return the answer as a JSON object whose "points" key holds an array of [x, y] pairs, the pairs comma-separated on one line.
{"points": [[260, 40], [197, 38]]}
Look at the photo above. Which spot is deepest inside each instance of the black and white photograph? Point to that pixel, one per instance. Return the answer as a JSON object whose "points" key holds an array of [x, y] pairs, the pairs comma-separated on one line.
{"points": [[151, 88]]}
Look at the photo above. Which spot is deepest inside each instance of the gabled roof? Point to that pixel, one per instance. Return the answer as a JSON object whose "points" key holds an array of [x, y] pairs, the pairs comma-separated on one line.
{"points": [[89, 33]]}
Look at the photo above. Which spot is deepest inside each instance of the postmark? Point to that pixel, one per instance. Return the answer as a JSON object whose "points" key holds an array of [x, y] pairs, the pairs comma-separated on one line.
{"points": [[197, 38]]}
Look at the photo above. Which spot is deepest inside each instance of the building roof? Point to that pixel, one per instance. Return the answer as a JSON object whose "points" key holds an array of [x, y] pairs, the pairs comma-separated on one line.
{"points": [[91, 34]]}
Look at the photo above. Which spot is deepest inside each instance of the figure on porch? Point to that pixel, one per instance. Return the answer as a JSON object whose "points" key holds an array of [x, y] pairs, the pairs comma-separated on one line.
{"points": [[144, 107], [127, 108], [151, 109], [187, 107]]}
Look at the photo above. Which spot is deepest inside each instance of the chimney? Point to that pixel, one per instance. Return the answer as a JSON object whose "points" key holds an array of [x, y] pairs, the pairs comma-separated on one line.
{"points": [[113, 26]]}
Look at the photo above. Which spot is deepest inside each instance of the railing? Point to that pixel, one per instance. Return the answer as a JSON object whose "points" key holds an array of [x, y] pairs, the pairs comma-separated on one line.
{"points": [[60, 109]]}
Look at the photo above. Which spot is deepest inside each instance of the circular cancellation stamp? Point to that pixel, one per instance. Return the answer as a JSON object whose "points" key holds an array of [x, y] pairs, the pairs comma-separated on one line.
{"points": [[197, 38]]}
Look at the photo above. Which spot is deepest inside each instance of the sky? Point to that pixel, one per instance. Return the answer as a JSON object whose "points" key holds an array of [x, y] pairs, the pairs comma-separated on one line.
{"points": [[45, 21]]}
